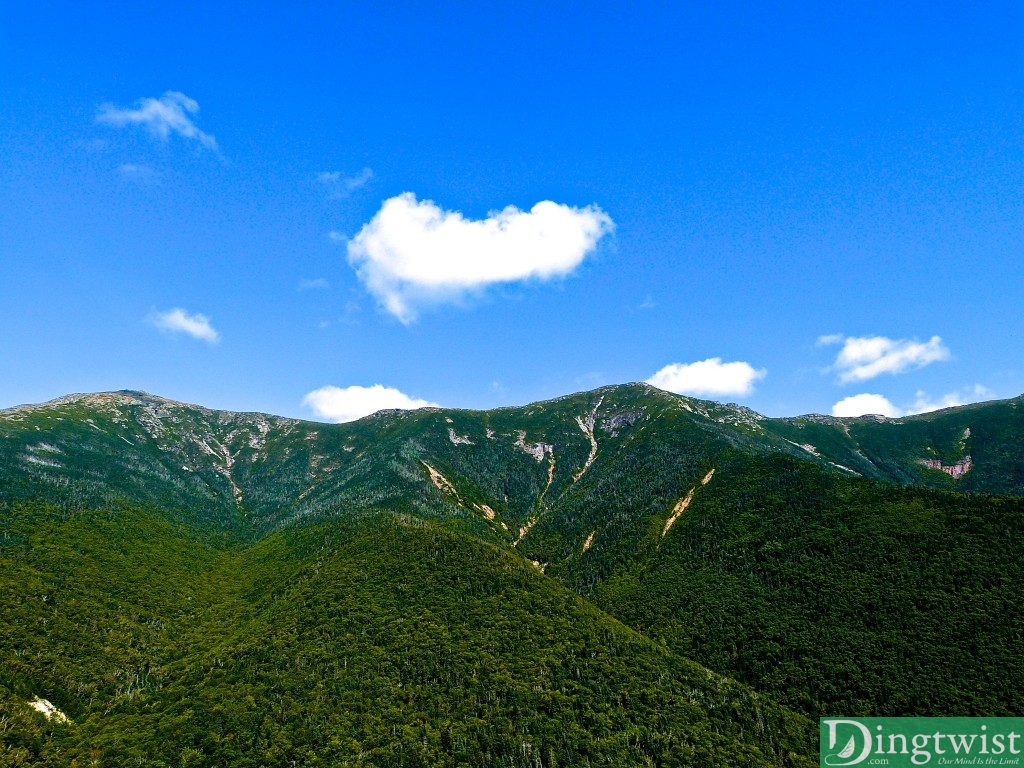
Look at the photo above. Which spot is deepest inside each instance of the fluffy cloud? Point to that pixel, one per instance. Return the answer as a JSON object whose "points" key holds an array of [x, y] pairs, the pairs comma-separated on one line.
{"points": [[925, 404], [339, 404], [339, 186], [858, 405], [179, 321], [708, 377], [865, 357], [414, 253], [172, 113]]}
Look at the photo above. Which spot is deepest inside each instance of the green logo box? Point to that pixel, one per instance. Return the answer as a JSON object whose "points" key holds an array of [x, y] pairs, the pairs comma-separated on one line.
{"points": [[917, 741]]}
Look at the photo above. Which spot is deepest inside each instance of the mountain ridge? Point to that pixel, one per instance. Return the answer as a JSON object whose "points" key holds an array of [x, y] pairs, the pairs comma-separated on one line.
{"points": [[766, 550], [128, 396], [228, 444]]}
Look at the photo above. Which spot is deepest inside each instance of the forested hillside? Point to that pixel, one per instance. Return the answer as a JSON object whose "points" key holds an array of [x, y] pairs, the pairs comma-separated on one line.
{"points": [[619, 577], [391, 641]]}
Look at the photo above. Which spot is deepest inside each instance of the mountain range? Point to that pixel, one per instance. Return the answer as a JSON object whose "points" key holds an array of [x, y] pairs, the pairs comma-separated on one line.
{"points": [[617, 577]]}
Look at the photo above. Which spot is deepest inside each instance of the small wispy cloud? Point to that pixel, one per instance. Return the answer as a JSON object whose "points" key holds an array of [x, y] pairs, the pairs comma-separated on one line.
{"points": [[708, 377], [413, 253], [865, 357], [339, 186], [868, 403], [647, 303], [172, 113], [340, 404], [178, 320], [315, 284], [138, 173]]}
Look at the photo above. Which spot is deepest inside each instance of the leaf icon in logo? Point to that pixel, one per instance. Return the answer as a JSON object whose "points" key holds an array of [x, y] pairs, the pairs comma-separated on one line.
{"points": [[848, 749], [846, 756]]}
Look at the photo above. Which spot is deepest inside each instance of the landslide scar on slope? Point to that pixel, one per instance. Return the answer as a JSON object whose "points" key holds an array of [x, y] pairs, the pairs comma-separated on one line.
{"points": [[588, 430], [590, 540], [441, 482], [679, 508], [445, 485], [684, 502]]}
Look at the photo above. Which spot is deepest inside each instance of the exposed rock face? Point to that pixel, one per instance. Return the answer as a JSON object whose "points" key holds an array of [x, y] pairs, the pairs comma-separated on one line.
{"points": [[383, 412], [48, 710], [620, 420], [458, 439], [807, 447], [537, 450], [588, 429], [879, 418], [441, 482], [740, 416], [956, 471]]}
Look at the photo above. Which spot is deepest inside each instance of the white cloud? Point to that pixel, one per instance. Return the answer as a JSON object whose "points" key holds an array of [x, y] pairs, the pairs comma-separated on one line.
{"points": [[171, 113], [179, 321], [413, 253], [708, 377], [647, 303], [318, 283], [925, 404], [140, 173], [339, 404], [859, 405], [865, 357], [832, 338], [339, 186]]}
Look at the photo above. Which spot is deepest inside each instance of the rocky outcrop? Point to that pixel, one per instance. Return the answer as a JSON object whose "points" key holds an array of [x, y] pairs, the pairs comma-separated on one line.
{"points": [[47, 709], [619, 420], [537, 450], [956, 471], [458, 439]]}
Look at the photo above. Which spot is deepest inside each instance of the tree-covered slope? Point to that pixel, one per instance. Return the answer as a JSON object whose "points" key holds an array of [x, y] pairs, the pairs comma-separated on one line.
{"points": [[249, 474], [834, 565], [835, 595], [971, 448], [390, 641]]}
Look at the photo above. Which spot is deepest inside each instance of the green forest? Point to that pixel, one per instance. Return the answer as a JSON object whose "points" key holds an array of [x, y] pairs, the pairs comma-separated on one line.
{"points": [[622, 577]]}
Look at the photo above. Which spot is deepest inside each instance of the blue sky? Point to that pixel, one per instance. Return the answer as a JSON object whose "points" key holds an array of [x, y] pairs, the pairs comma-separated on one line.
{"points": [[243, 205]]}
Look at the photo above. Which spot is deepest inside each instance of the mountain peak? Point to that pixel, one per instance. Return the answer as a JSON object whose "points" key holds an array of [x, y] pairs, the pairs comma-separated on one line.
{"points": [[101, 401]]}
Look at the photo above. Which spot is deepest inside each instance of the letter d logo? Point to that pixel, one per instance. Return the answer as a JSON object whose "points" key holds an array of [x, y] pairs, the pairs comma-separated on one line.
{"points": [[845, 756]]}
